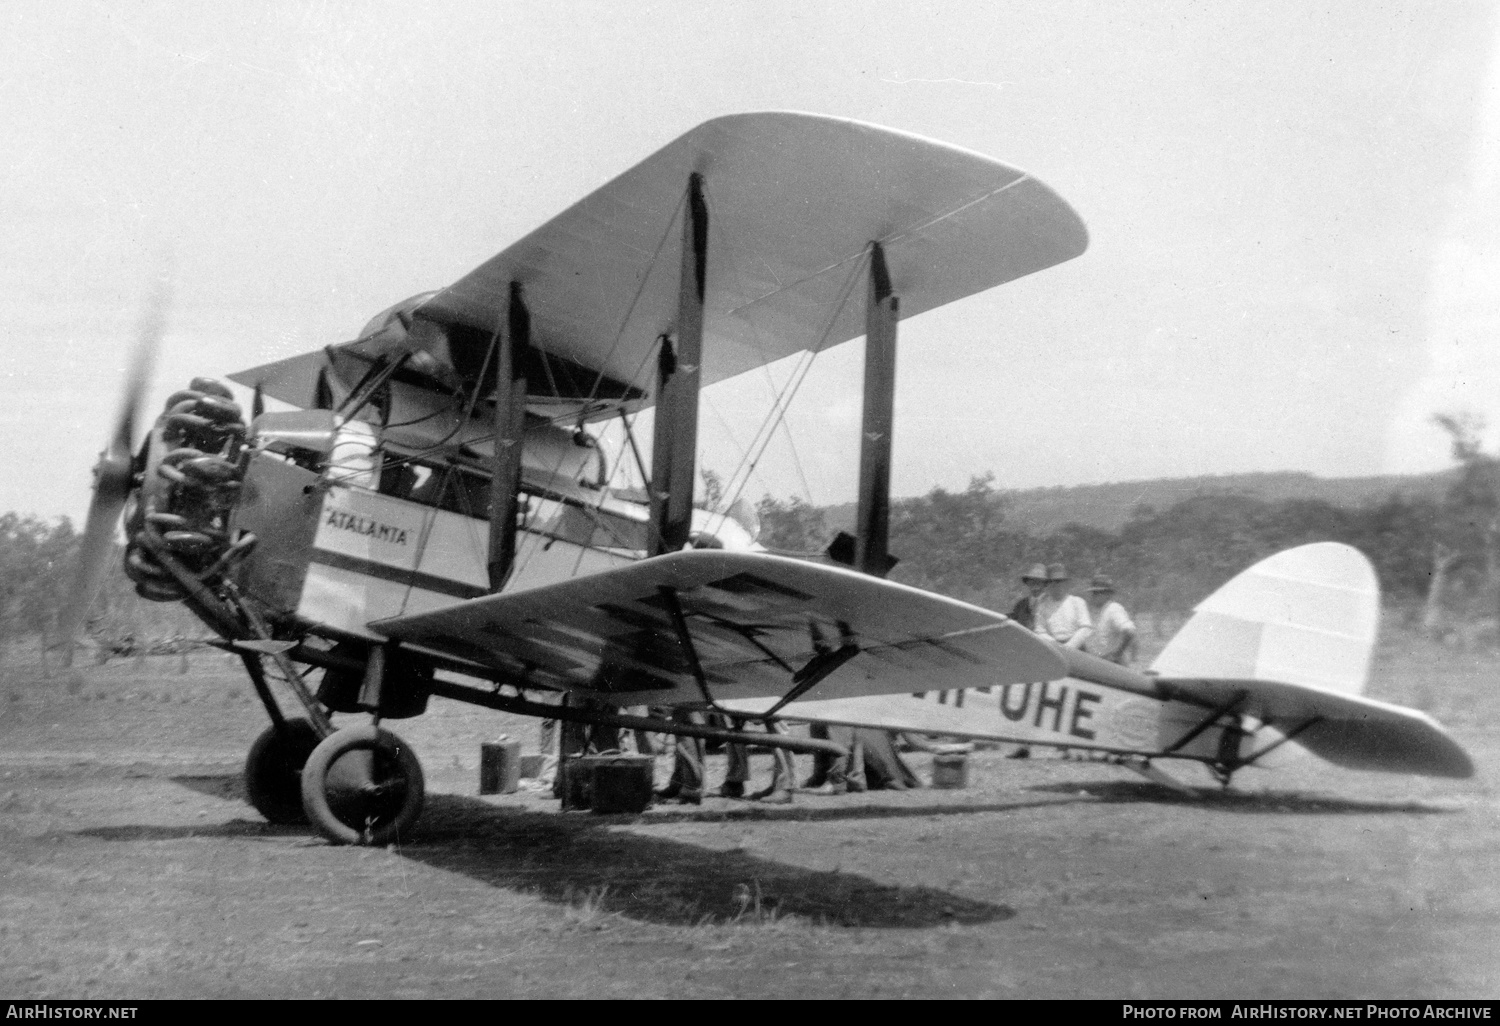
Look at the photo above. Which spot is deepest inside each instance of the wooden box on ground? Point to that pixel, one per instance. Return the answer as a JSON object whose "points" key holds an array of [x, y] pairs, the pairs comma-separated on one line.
{"points": [[950, 772], [608, 783]]}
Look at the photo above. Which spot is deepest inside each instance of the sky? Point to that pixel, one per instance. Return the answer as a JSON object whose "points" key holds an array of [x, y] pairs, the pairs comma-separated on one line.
{"points": [[1294, 211]]}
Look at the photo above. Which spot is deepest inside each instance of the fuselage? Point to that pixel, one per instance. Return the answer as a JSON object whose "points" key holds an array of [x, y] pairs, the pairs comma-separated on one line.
{"points": [[376, 534]]}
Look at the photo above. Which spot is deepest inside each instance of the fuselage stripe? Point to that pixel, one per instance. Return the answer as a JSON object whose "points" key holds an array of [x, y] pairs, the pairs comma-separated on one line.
{"points": [[396, 575]]}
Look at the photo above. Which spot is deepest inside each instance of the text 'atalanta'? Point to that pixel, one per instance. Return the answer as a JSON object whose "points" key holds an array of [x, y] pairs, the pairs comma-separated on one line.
{"points": [[343, 521]]}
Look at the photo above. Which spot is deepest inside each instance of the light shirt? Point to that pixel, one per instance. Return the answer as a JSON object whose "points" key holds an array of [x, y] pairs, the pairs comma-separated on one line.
{"points": [[1060, 619], [1111, 630]]}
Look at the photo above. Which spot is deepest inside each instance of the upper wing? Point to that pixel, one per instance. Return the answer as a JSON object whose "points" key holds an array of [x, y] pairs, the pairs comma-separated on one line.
{"points": [[754, 620], [794, 202]]}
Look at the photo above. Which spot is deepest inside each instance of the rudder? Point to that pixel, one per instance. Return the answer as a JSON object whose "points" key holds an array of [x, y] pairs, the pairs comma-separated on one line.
{"points": [[1305, 616]]}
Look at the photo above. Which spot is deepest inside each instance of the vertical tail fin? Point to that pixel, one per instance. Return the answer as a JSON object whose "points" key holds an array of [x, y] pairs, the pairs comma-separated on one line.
{"points": [[1305, 616]]}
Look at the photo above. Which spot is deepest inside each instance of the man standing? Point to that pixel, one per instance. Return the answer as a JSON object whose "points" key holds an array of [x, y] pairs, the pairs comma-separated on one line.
{"points": [[1024, 611], [686, 785], [1061, 615], [833, 775], [783, 777], [1114, 632]]}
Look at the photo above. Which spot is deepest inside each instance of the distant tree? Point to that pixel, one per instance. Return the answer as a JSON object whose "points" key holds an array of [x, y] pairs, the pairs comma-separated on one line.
{"points": [[955, 542], [1400, 535], [35, 560], [793, 526], [1084, 550], [713, 489], [1469, 524], [1164, 559]]}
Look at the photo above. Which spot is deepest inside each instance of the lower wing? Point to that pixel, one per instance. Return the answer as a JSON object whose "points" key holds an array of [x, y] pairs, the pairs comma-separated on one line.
{"points": [[703, 625]]}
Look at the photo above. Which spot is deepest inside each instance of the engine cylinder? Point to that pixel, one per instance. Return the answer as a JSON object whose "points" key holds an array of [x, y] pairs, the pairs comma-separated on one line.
{"points": [[190, 472]]}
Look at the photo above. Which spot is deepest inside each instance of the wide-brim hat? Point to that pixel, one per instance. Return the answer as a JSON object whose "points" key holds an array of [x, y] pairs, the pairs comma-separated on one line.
{"points": [[1057, 572], [1036, 573], [1101, 583]]}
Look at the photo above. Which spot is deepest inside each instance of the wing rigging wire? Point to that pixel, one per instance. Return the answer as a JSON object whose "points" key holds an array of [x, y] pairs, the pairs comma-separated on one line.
{"points": [[466, 413], [614, 346], [889, 241], [788, 392], [467, 408], [726, 502], [593, 393], [635, 300], [750, 457], [791, 444], [746, 468], [449, 476]]}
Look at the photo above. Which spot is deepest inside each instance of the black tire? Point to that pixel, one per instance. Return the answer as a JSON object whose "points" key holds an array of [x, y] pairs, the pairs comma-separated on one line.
{"points": [[273, 771], [363, 785]]}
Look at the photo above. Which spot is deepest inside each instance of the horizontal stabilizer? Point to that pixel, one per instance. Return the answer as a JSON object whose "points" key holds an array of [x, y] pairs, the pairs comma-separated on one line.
{"points": [[755, 620], [1347, 730]]}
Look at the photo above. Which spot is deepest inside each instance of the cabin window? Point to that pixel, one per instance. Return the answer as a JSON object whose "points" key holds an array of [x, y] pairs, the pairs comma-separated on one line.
{"points": [[459, 490], [449, 488], [588, 526], [410, 481], [465, 493]]}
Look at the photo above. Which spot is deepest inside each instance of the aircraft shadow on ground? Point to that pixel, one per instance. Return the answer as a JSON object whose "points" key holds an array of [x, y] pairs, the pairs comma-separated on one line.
{"points": [[575, 859], [233, 828], [1259, 803], [227, 786], [568, 858]]}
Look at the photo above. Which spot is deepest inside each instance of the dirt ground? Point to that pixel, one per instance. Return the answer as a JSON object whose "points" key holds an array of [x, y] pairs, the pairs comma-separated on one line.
{"points": [[131, 867]]}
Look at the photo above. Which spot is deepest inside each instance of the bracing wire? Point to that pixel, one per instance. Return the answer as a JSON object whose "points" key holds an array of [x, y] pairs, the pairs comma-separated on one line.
{"points": [[791, 445], [619, 335], [741, 476]]}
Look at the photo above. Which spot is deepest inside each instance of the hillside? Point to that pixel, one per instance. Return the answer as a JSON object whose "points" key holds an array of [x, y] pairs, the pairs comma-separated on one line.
{"points": [[1108, 506]]}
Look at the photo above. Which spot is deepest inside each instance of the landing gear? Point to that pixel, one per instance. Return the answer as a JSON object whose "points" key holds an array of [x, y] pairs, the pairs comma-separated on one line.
{"points": [[363, 785], [273, 771]]}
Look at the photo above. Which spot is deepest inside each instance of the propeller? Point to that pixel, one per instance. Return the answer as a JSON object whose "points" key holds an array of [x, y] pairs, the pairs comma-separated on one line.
{"points": [[112, 474]]}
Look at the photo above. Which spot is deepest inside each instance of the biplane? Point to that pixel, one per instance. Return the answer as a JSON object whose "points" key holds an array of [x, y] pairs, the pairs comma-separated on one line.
{"points": [[434, 514]]}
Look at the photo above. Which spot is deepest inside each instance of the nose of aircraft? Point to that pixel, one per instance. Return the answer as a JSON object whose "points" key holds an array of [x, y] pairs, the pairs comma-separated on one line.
{"points": [[113, 472]]}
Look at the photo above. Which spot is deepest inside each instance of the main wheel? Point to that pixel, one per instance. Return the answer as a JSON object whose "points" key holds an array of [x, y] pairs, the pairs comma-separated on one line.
{"points": [[362, 785], [273, 771]]}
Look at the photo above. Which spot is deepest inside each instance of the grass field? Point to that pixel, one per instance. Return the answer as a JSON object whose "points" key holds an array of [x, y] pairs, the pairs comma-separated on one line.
{"points": [[130, 866]]}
